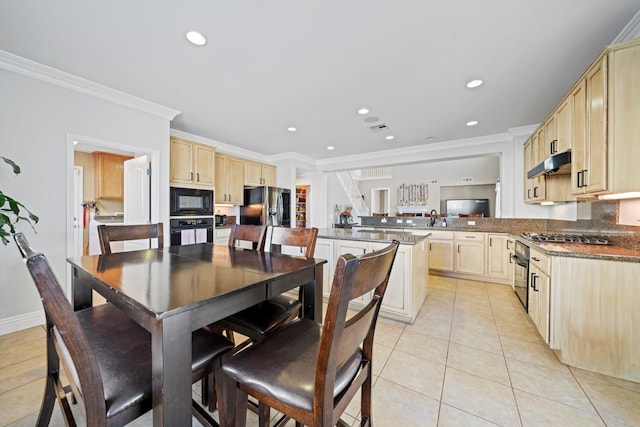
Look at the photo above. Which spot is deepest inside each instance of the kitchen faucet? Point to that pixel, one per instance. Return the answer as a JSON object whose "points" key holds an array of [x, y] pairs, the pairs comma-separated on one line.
{"points": [[433, 215]]}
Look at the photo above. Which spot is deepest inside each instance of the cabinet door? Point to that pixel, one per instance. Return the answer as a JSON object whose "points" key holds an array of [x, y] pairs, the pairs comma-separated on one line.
{"points": [[577, 98], [595, 174], [181, 168], [204, 165], [539, 301], [563, 126], [498, 259], [470, 257], [396, 296], [324, 250], [441, 254], [529, 163], [234, 174], [221, 236], [539, 183], [550, 141], [252, 173], [109, 176], [342, 247], [269, 175], [220, 179]]}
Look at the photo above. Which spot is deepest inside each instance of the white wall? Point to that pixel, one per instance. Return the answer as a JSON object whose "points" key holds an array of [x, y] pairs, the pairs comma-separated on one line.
{"points": [[36, 118]]}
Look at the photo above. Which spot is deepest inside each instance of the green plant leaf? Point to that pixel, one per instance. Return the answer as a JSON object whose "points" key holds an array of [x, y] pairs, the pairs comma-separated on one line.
{"points": [[16, 168]]}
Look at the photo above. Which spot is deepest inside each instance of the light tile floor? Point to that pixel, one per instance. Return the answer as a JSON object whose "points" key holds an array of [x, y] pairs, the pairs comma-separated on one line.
{"points": [[472, 358]]}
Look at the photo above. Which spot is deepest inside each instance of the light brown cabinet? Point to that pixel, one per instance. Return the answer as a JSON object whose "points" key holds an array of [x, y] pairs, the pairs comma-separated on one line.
{"points": [[534, 188], [229, 174], [192, 164], [259, 174], [441, 253], [539, 292], [470, 253], [499, 250], [109, 175]]}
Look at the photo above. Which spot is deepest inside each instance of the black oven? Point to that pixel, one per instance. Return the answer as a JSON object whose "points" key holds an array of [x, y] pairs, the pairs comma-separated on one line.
{"points": [[190, 202], [520, 260], [187, 231]]}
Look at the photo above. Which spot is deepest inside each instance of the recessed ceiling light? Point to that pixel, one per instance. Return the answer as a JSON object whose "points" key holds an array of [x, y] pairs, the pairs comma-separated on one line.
{"points": [[389, 137], [196, 38], [472, 123], [291, 129], [331, 147], [474, 83], [363, 111]]}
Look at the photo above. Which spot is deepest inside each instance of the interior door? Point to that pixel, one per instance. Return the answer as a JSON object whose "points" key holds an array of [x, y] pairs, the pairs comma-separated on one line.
{"points": [[137, 196], [78, 212]]}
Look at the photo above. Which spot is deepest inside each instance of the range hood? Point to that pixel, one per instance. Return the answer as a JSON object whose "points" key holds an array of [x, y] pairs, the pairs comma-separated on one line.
{"points": [[560, 164]]}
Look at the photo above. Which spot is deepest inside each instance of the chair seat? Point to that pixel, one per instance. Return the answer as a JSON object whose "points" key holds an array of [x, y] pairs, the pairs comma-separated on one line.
{"points": [[260, 319], [284, 365], [123, 352]]}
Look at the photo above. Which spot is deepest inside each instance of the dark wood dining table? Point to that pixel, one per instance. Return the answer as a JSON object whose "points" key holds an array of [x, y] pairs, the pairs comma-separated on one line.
{"points": [[175, 290]]}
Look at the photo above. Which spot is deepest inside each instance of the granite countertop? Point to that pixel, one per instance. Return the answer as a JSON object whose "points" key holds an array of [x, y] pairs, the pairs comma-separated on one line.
{"points": [[577, 250], [404, 238]]}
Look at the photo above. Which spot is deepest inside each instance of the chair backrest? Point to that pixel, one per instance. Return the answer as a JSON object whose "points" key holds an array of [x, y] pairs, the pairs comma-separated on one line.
{"points": [[120, 233], [341, 337], [253, 234], [276, 237], [59, 314]]}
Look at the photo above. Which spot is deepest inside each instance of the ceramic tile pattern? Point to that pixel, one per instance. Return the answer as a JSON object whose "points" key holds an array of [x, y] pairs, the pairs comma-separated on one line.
{"points": [[472, 358]]}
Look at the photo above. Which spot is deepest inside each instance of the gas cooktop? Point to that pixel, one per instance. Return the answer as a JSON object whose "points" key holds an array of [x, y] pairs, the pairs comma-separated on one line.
{"points": [[565, 238]]}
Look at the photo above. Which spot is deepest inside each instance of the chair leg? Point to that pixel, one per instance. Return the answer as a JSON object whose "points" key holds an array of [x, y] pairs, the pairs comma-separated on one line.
{"points": [[365, 401], [263, 415], [209, 383], [233, 404], [48, 400]]}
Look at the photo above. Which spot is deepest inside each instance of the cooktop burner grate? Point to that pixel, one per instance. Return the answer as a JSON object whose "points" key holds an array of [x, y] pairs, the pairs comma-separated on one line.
{"points": [[565, 238]]}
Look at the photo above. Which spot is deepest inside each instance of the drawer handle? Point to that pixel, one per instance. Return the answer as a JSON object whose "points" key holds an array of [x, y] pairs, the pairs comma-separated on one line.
{"points": [[470, 237], [535, 259]]}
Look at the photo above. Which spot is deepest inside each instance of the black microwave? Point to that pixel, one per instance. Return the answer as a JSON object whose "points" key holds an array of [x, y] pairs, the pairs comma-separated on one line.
{"points": [[190, 201]]}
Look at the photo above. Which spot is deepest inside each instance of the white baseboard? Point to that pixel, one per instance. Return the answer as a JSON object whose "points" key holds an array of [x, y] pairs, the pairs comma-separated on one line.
{"points": [[23, 321]]}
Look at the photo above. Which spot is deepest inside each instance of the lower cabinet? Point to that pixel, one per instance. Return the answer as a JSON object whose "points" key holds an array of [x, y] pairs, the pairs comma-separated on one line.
{"points": [[408, 282], [470, 253], [539, 292], [441, 250], [221, 236], [499, 251]]}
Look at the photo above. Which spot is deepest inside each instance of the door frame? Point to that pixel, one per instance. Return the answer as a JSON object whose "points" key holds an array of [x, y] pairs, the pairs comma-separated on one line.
{"points": [[105, 145]]}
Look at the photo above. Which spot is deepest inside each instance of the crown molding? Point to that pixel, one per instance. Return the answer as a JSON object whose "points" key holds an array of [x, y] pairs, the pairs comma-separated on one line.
{"points": [[29, 68], [630, 31]]}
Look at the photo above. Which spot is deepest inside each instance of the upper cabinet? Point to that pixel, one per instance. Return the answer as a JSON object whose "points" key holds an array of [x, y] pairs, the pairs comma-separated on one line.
{"points": [[229, 180], [259, 174], [192, 164], [109, 175], [598, 120]]}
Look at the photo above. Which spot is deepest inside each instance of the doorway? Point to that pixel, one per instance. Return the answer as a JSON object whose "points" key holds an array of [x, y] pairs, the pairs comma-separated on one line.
{"points": [[90, 144]]}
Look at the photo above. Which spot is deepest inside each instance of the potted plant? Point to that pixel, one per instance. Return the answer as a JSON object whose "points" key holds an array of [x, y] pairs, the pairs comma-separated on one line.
{"points": [[12, 211]]}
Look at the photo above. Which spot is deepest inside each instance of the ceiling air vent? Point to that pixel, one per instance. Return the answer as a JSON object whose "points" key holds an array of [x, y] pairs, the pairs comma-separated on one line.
{"points": [[378, 128], [433, 181], [467, 179]]}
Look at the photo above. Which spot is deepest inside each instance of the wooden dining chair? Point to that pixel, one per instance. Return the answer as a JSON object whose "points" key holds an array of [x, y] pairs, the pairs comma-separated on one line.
{"points": [[310, 371], [260, 319], [106, 356], [120, 233], [253, 235]]}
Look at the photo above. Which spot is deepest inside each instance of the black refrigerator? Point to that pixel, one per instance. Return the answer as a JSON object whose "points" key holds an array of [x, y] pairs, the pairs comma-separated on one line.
{"points": [[266, 206]]}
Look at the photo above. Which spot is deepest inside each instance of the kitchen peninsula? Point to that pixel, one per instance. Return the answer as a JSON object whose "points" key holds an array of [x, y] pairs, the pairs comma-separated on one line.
{"points": [[408, 283]]}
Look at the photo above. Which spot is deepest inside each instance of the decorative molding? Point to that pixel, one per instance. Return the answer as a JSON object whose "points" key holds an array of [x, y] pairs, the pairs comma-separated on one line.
{"points": [[29, 68], [22, 321], [630, 31]]}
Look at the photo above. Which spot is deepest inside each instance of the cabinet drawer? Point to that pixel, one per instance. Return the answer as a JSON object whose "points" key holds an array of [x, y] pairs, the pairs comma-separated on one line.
{"points": [[473, 236], [442, 235], [541, 261]]}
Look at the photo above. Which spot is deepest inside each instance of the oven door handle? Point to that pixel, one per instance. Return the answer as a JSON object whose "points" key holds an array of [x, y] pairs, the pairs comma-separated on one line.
{"points": [[519, 261]]}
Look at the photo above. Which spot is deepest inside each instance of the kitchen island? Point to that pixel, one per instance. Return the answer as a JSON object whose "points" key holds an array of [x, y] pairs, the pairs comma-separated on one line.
{"points": [[408, 283]]}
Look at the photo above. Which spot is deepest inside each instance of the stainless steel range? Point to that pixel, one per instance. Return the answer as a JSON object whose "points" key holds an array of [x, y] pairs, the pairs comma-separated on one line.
{"points": [[565, 238]]}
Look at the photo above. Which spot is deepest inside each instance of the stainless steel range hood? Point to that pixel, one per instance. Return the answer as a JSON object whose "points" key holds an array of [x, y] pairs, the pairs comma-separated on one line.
{"points": [[560, 164]]}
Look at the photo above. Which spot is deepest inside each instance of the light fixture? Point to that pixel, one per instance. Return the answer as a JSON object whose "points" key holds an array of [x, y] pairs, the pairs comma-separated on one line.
{"points": [[618, 196], [389, 137], [291, 129], [331, 147], [363, 111], [196, 38], [472, 123], [474, 83]]}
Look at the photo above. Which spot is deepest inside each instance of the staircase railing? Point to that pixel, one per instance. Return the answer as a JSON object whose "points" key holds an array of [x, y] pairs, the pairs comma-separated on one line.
{"points": [[350, 186]]}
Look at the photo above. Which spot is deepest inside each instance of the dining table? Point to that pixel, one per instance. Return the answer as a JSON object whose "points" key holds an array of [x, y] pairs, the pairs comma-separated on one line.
{"points": [[175, 290]]}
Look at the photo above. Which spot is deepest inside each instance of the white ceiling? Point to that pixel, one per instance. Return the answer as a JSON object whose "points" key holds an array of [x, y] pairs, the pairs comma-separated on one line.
{"points": [[311, 64]]}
